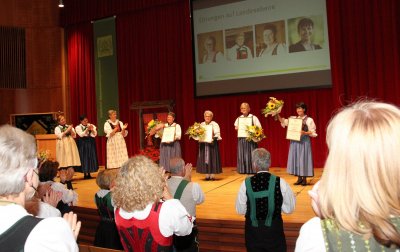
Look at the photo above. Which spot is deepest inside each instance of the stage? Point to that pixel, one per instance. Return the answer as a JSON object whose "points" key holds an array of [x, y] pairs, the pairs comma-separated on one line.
{"points": [[217, 214]]}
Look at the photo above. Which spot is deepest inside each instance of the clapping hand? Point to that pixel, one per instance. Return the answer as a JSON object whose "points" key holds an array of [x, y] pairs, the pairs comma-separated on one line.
{"points": [[188, 172], [73, 222]]}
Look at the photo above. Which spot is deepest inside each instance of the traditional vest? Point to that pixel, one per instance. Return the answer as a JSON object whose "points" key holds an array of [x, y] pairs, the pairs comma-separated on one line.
{"points": [[113, 126], [264, 198], [143, 235], [341, 240], [183, 192], [14, 238], [104, 207], [64, 128]]}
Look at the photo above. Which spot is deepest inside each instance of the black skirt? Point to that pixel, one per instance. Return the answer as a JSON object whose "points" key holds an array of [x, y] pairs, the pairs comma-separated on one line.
{"points": [[88, 155], [208, 159]]}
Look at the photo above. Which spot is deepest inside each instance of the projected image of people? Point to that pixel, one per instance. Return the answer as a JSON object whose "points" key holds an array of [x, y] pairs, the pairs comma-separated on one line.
{"points": [[268, 42], [305, 30], [211, 55], [240, 50]]}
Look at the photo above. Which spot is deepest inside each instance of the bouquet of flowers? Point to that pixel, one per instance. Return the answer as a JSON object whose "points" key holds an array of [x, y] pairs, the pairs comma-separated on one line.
{"points": [[255, 133], [43, 155], [153, 128], [274, 107], [196, 131]]}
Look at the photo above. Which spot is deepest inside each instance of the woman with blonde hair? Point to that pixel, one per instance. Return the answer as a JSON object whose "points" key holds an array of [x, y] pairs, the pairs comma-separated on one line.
{"points": [[66, 150], [116, 131], [137, 195], [358, 197]]}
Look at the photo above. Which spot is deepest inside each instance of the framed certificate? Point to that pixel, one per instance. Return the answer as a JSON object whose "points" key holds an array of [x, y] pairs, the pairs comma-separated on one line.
{"points": [[208, 134], [294, 129], [168, 135], [243, 122]]}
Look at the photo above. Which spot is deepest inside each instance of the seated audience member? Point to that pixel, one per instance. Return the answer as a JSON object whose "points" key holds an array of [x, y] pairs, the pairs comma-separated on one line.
{"points": [[261, 199], [106, 233], [144, 222], [190, 195], [47, 173], [44, 203], [357, 200], [19, 231]]}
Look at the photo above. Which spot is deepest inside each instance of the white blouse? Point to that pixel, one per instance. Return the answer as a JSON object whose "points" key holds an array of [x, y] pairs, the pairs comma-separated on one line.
{"points": [[309, 122], [83, 131], [108, 129], [178, 130], [216, 129], [60, 134]]}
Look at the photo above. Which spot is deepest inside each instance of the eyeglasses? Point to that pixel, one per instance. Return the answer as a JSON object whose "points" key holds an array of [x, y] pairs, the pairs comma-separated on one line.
{"points": [[36, 171]]}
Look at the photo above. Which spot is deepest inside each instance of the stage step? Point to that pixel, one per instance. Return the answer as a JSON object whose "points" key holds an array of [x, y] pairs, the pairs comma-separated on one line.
{"points": [[214, 235]]}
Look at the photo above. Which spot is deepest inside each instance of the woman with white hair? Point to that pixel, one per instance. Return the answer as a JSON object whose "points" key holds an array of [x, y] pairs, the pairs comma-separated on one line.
{"points": [[19, 231], [358, 197], [208, 159]]}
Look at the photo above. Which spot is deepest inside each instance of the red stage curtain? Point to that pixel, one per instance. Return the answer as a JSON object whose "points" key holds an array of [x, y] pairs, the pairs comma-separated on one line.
{"points": [[155, 63], [82, 79]]}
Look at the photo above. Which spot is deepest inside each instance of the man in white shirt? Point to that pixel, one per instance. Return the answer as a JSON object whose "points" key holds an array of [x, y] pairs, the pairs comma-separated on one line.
{"points": [[190, 195], [261, 199]]}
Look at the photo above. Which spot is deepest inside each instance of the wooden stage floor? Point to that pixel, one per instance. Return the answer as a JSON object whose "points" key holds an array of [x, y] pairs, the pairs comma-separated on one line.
{"points": [[220, 195]]}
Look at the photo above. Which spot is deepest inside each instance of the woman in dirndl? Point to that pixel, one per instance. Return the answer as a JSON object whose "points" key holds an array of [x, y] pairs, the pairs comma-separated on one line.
{"points": [[245, 147], [115, 130], [171, 149], [208, 158], [300, 161], [87, 146], [67, 154]]}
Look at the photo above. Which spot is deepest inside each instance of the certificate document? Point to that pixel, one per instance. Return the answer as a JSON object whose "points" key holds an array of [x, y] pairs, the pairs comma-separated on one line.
{"points": [[168, 135], [208, 134], [242, 125], [294, 129]]}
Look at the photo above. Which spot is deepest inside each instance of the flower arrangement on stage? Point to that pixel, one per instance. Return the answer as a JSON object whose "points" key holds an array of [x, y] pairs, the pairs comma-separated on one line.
{"points": [[151, 152], [274, 107], [153, 128], [196, 131], [255, 133]]}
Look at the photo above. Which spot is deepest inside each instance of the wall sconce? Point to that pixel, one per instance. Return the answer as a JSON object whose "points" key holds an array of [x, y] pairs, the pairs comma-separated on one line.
{"points": [[61, 4]]}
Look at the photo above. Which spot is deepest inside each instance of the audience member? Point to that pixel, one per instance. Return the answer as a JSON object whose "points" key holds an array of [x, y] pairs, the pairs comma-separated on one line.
{"points": [[106, 233], [144, 222], [47, 174], [261, 199], [190, 194], [19, 231], [357, 200]]}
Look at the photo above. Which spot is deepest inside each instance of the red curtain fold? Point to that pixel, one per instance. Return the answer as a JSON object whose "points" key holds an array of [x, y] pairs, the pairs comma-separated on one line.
{"points": [[82, 79], [155, 63]]}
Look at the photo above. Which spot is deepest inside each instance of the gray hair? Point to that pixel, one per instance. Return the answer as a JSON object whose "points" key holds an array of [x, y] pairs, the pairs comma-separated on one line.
{"points": [[176, 165], [208, 112], [17, 156], [261, 159]]}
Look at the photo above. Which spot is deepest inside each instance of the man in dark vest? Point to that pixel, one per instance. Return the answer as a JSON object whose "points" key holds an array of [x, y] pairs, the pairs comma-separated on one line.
{"points": [[261, 199], [190, 195]]}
